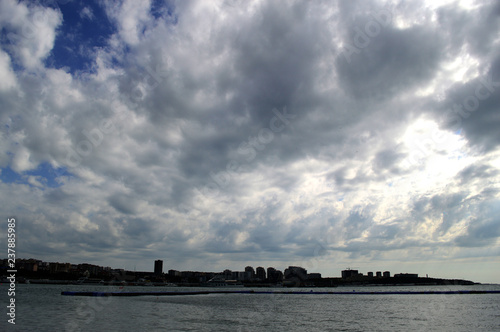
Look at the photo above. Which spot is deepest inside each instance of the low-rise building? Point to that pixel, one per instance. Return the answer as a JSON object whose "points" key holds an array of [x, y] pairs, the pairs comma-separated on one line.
{"points": [[59, 267], [406, 275]]}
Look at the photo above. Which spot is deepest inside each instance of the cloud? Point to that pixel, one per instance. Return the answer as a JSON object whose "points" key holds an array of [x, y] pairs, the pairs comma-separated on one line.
{"points": [[131, 17], [32, 31], [9, 78], [87, 13], [483, 231], [237, 133]]}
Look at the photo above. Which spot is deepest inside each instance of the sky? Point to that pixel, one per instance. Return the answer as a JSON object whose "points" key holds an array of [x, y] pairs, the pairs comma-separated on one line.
{"points": [[219, 134]]}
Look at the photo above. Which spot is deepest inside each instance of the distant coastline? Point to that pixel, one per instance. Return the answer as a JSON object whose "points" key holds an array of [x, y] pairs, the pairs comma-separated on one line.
{"points": [[38, 272]]}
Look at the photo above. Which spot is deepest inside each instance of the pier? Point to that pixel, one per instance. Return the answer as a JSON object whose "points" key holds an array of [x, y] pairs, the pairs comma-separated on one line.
{"points": [[178, 293]]}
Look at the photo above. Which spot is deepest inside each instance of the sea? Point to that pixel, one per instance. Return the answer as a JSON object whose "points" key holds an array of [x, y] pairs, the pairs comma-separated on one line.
{"points": [[43, 308]]}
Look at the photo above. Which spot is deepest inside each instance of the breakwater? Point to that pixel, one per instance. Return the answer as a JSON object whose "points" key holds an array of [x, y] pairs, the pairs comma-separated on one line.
{"points": [[70, 293]]}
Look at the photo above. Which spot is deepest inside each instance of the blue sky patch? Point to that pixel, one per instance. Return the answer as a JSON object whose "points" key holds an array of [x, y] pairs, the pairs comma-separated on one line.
{"points": [[85, 28], [44, 174]]}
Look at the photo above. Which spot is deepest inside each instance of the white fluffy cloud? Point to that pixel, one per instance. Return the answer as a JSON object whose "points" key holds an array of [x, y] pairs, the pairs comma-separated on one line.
{"points": [[7, 74], [221, 134], [32, 31], [132, 18]]}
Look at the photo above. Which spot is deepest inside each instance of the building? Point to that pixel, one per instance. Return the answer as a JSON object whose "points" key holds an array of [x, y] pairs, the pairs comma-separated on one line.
{"points": [[238, 276], [314, 276], [260, 273], [59, 267], [228, 274], [271, 272], [174, 273], [379, 274], [406, 275], [387, 274], [295, 271], [26, 264], [250, 272], [274, 275], [370, 274], [349, 273], [158, 267], [92, 269]]}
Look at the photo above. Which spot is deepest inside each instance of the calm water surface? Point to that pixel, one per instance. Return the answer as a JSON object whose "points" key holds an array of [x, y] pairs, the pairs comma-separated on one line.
{"points": [[42, 308]]}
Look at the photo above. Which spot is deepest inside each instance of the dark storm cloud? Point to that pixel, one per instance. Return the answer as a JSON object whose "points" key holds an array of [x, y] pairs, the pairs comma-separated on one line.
{"points": [[390, 63], [275, 58], [472, 107]]}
